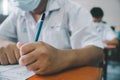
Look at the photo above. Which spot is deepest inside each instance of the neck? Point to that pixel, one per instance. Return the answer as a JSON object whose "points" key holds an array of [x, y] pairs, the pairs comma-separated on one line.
{"points": [[41, 8]]}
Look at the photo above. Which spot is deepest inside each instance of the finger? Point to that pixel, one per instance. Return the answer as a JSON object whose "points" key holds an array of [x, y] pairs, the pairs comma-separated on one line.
{"points": [[19, 44], [34, 66], [10, 55], [39, 71], [42, 69], [3, 57], [27, 48], [27, 59], [17, 54]]}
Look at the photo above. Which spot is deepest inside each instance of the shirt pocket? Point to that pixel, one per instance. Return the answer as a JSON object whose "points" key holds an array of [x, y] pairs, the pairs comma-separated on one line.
{"points": [[57, 36]]}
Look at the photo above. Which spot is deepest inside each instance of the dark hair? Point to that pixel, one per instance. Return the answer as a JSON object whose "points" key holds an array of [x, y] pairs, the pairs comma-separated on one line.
{"points": [[97, 12]]}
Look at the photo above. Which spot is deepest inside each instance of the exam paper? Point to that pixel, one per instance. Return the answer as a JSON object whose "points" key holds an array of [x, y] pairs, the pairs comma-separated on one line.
{"points": [[14, 72]]}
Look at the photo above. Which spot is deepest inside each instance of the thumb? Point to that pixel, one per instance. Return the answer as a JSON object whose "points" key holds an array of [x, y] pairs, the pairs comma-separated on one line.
{"points": [[19, 44]]}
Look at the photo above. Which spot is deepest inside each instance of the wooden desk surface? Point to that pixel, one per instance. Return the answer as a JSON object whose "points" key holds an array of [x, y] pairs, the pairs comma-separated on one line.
{"points": [[84, 73]]}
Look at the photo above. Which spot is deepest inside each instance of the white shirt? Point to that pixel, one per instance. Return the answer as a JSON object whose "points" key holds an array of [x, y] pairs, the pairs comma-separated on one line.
{"points": [[66, 26], [104, 31]]}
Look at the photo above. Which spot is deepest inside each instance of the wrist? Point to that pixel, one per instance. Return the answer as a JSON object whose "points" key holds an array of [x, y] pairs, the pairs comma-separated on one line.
{"points": [[67, 58], [5, 42]]}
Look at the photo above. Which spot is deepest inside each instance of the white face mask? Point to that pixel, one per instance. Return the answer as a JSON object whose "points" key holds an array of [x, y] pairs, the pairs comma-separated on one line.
{"points": [[26, 5]]}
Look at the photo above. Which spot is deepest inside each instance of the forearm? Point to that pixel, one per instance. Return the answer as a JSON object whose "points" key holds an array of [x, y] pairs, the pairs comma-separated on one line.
{"points": [[5, 42], [49, 60], [90, 55], [111, 42]]}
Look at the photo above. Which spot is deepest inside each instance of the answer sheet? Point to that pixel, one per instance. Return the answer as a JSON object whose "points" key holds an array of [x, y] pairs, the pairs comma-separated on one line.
{"points": [[14, 72]]}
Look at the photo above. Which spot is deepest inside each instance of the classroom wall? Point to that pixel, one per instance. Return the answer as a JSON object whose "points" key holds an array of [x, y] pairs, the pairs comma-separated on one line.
{"points": [[110, 7]]}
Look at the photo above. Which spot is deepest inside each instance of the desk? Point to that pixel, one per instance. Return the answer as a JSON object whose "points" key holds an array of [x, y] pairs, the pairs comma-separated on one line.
{"points": [[107, 51], [84, 73]]}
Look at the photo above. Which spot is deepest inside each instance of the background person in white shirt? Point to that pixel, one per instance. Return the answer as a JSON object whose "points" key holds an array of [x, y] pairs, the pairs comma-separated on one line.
{"points": [[104, 30], [66, 39]]}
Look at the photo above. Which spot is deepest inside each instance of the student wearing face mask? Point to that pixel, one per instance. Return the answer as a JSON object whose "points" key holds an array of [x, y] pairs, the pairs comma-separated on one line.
{"points": [[66, 39], [104, 30]]}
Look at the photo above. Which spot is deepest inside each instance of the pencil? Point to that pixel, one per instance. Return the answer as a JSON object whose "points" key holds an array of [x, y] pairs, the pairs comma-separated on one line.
{"points": [[39, 28]]}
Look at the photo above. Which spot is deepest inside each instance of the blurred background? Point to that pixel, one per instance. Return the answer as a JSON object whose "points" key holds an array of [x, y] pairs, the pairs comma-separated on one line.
{"points": [[111, 9]]}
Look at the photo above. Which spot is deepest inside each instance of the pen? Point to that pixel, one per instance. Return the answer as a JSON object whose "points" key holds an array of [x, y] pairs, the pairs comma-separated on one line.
{"points": [[39, 28]]}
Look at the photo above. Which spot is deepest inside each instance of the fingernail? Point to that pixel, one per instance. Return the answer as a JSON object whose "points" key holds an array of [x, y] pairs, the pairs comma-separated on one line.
{"points": [[19, 44]]}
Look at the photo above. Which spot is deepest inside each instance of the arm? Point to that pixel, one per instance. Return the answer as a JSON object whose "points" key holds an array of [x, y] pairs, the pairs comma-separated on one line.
{"points": [[87, 56], [110, 36], [111, 42], [44, 59], [9, 53]]}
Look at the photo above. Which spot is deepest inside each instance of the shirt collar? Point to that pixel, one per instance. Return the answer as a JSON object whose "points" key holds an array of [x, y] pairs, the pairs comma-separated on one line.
{"points": [[52, 5]]}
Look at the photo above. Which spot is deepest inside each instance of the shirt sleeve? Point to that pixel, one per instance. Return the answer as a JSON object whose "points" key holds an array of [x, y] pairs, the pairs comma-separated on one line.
{"points": [[82, 32], [8, 28], [109, 33]]}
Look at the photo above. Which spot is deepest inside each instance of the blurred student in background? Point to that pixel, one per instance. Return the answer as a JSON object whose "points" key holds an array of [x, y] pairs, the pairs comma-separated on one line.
{"points": [[104, 30]]}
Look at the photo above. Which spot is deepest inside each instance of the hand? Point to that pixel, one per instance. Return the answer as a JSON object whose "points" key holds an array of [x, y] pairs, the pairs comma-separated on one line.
{"points": [[105, 42], [42, 58], [9, 53]]}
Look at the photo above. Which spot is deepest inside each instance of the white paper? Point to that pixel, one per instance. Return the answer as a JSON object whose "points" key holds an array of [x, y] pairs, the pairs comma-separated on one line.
{"points": [[14, 72]]}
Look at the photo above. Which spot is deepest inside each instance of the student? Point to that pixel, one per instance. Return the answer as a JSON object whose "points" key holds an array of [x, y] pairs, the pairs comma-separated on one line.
{"points": [[107, 35], [66, 39]]}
